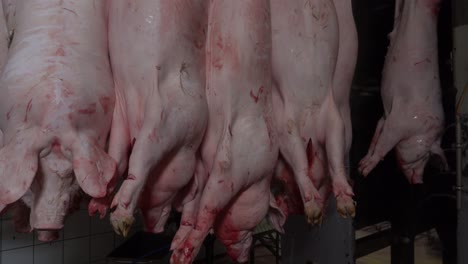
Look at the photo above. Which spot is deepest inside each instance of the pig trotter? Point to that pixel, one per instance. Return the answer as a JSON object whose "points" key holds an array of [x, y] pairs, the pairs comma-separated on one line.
{"points": [[313, 212], [346, 206], [367, 164], [122, 226]]}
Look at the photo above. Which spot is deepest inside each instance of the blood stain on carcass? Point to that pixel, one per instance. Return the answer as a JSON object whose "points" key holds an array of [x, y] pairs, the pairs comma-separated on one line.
{"points": [[217, 63], [434, 6], [105, 102], [152, 136], [28, 109], [255, 98], [8, 114], [91, 109], [60, 52], [422, 61]]}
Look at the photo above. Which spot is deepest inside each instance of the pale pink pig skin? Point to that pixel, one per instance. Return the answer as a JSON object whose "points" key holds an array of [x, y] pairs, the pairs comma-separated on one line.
{"points": [[414, 118], [311, 130], [56, 107], [157, 53], [345, 64], [4, 39], [239, 148]]}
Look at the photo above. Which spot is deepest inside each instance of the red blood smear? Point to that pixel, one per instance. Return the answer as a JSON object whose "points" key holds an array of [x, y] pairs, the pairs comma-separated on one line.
{"points": [[152, 135], [255, 98], [188, 249], [60, 52], [105, 102], [217, 63], [425, 60], [91, 109], [8, 114], [55, 146], [68, 91], [434, 6], [28, 109]]}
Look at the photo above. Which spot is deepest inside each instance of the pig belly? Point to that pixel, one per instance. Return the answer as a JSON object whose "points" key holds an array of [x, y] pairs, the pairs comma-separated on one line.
{"points": [[157, 53]]}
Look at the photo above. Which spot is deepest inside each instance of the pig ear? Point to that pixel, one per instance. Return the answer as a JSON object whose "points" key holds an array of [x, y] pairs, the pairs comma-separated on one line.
{"points": [[276, 215], [93, 168], [18, 166]]}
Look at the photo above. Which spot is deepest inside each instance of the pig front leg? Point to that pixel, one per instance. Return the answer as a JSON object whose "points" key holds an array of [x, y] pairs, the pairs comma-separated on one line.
{"points": [[386, 136], [119, 147], [218, 192], [162, 189], [190, 207], [144, 155], [160, 136]]}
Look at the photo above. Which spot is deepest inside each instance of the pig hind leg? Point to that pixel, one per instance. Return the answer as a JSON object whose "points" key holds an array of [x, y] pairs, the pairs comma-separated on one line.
{"points": [[146, 156], [335, 149], [293, 151]]}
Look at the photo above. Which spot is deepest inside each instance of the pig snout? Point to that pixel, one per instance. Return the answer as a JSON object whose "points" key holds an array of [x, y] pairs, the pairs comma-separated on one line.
{"points": [[55, 192], [49, 214]]}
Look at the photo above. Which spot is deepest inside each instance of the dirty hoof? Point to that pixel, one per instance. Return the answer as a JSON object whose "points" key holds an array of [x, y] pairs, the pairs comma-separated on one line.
{"points": [[313, 213], [346, 206], [122, 225]]}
